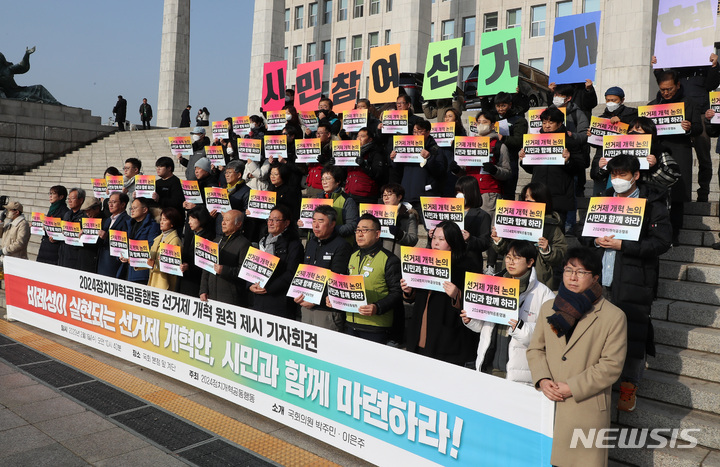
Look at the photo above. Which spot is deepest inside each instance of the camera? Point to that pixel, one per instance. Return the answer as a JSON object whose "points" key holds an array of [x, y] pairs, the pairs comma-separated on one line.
{"points": [[3, 200]]}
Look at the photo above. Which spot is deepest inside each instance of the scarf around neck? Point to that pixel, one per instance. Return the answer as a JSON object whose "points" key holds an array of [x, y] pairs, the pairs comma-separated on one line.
{"points": [[54, 207], [570, 307]]}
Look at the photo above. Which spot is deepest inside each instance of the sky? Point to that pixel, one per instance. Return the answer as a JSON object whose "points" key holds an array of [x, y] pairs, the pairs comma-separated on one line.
{"points": [[90, 51]]}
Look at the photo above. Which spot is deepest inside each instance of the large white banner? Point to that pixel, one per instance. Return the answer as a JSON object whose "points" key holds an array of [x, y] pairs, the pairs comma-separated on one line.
{"points": [[385, 405]]}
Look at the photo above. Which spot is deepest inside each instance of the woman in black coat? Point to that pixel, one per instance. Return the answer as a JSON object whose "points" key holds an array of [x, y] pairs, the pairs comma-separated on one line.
{"points": [[281, 239], [198, 221], [49, 250]]}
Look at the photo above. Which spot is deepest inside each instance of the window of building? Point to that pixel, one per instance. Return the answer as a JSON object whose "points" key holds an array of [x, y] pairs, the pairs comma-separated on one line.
{"points": [[312, 14], [326, 88], [513, 18], [538, 63], [374, 7], [358, 9], [432, 32], [563, 9], [388, 5], [327, 12], [591, 5], [311, 52], [340, 50], [537, 21], [490, 22], [468, 31], [285, 53], [342, 10], [325, 49], [387, 37], [448, 29], [299, 10], [465, 72], [287, 19], [373, 39], [356, 48], [297, 55]]}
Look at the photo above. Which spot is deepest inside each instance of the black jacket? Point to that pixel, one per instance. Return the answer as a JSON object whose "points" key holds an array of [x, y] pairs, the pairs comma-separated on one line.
{"points": [[82, 258], [108, 265], [477, 223], [190, 281], [227, 287], [170, 193], [416, 179], [333, 253], [49, 251]]}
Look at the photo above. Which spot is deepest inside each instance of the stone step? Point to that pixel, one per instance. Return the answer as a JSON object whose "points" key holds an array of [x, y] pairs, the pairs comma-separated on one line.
{"points": [[686, 362], [683, 391], [701, 223], [701, 238], [687, 336], [703, 273], [665, 457], [689, 254], [689, 291], [693, 314], [656, 414]]}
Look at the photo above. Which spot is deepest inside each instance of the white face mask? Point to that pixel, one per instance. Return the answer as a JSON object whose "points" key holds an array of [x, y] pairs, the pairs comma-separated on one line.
{"points": [[612, 106], [288, 117], [558, 101], [460, 195], [196, 137], [229, 150], [620, 185], [483, 129]]}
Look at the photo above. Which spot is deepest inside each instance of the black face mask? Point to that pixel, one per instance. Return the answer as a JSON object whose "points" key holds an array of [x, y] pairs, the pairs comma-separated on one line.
{"points": [[635, 133]]}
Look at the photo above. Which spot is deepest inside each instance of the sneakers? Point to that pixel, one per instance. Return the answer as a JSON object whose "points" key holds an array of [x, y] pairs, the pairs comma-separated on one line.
{"points": [[627, 397]]}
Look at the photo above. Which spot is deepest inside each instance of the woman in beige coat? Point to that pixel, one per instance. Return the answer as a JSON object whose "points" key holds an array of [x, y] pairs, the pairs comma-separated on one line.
{"points": [[170, 219], [576, 354]]}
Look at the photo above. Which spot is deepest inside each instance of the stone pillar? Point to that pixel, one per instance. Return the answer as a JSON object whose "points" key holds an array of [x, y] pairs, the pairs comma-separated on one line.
{"points": [[174, 89], [412, 31], [267, 46]]}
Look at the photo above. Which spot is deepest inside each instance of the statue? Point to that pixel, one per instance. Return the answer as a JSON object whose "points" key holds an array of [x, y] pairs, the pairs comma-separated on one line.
{"points": [[9, 88]]}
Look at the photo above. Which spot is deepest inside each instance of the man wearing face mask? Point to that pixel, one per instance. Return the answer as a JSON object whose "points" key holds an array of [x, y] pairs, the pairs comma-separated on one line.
{"points": [[325, 115], [199, 142], [630, 269]]}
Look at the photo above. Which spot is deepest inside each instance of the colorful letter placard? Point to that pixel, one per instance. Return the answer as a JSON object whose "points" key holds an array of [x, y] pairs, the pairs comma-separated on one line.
{"points": [[544, 149], [667, 117], [491, 298], [385, 213], [139, 252], [71, 232], [685, 32], [37, 223], [276, 146], [309, 119], [472, 125], [273, 92], [519, 220], [276, 120], [114, 184], [443, 133], [472, 150], [191, 191], [307, 208], [715, 106], [621, 217], [100, 188], [260, 203], [308, 85], [216, 199], [423, 268], [309, 281], [215, 155], [90, 230], [499, 64], [633, 145], [118, 243], [395, 121], [181, 146], [53, 228], [258, 266], [144, 186], [220, 130], [249, 149], [574, 50], [436, 210], [344, 87], [346, 293], [353, 120], [600, 127], [384, 73], [441, 68], [170, 259], [307, 150], [345, 152], [206, 254], [241, 125], [408, 148]]}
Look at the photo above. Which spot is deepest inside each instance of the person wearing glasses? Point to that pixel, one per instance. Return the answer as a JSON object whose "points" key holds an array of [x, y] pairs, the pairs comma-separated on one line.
{"points": [[576, 354], [140, 226], [50, 249], [381, 270], [281, 239], [519, 264], [631, 269], [345, 206], [314, 169], [132, 167], [14, 232], [70, 256]]}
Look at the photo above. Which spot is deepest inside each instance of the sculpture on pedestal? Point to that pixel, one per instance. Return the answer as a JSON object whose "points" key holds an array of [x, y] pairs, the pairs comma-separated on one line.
{"points": [[9, 88]]}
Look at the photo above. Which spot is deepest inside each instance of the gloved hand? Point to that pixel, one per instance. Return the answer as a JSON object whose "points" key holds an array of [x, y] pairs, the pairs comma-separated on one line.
{"points": [[454, 168], [490, 168], [396, 232]]}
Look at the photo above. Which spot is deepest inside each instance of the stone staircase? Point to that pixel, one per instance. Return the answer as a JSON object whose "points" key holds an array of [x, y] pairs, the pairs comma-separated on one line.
{"points": [[681, 388]]}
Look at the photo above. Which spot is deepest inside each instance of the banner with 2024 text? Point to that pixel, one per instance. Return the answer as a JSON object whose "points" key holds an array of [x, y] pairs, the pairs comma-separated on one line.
{"points": [[391, 408]]}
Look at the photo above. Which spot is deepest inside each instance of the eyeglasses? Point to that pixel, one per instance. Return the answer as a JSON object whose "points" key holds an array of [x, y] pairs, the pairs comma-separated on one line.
{"points": [[364, 231], [579, 272], [513, 259], [271, 219]]}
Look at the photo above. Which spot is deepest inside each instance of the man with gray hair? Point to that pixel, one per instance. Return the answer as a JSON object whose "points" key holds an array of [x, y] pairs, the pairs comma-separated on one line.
{"points": [[14, 232], [225, 285], [69, 255], [325, 249]]}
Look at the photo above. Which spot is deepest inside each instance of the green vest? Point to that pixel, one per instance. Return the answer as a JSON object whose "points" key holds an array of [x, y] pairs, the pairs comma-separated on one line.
{"points": [[375, 287]]}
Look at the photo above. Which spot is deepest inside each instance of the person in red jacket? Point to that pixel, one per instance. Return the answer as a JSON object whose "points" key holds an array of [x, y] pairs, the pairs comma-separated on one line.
{"points": [[364, 180], [314, 169]]}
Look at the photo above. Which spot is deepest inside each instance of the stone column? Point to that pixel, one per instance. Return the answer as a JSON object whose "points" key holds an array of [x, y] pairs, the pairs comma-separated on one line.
{"points": [[267, 46], [174, 89]]}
